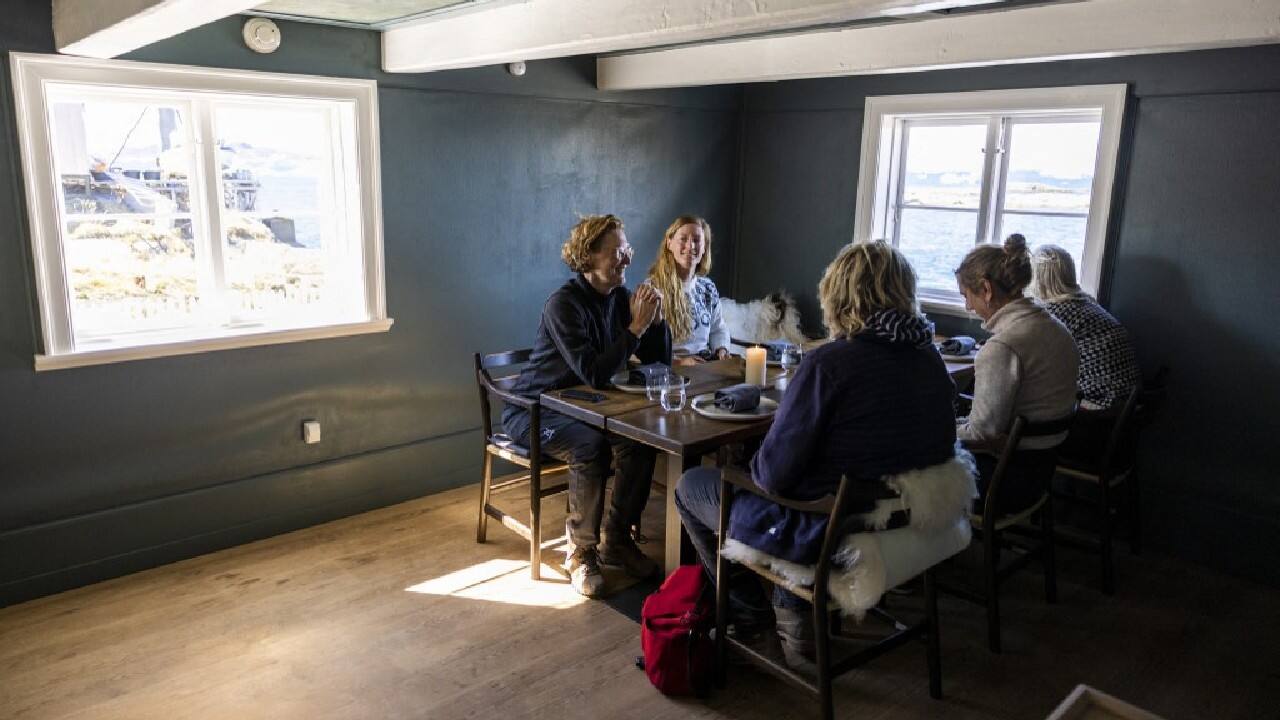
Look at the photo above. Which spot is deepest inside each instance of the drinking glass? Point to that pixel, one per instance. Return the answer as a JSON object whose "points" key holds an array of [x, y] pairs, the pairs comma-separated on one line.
{"points": [[672, 392], [653, 384], [790, 358]]}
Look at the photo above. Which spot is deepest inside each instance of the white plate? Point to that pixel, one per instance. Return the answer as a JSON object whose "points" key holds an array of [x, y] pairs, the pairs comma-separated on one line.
{"points": [[960, 358], [705, 405], [619, 381]]}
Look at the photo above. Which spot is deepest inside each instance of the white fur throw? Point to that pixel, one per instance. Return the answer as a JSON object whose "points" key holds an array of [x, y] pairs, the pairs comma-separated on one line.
{"points": [[769, 318], [869, 563]]}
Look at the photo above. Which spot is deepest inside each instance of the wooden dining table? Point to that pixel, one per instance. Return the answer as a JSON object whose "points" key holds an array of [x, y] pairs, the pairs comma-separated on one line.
{"points": [[683, 437]]}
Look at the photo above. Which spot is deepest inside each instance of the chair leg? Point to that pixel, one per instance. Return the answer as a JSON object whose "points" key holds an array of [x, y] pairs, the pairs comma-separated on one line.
{"points": [[1048, 552], [933, 648], [991, 573], [1134, 513], [1105, 550], [486, 478], [822, 646], [722, 618], [535, 523]]}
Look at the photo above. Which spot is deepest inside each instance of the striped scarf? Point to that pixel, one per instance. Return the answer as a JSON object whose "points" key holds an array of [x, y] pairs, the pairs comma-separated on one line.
{"points": [[897, 327]]}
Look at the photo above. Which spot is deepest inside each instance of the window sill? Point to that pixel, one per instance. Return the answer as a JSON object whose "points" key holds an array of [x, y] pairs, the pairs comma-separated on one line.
{"points": [[188, 347], [941, 307]]}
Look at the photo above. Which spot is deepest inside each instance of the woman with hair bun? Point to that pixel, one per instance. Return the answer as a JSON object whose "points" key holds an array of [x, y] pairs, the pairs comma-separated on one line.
{"points": [[1028, 366]]}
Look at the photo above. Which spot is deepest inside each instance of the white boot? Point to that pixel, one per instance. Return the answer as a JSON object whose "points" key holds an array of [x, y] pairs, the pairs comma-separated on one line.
{"points": [[583, 566]]}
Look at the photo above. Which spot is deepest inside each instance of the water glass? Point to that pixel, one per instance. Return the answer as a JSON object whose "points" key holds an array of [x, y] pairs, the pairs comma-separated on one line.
{"points": [[653, 384], [790, 358], [672, 392]]}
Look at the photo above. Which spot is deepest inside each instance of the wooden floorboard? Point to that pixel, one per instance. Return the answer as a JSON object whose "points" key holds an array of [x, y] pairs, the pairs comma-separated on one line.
{"points": [[399, 613]]}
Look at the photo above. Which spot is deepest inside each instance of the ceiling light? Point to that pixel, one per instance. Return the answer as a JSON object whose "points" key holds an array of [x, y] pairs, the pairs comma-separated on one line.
{"points": [[927, 7]]}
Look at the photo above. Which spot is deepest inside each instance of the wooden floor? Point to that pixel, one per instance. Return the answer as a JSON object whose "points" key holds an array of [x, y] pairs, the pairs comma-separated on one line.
{"points": [[398, 613]]}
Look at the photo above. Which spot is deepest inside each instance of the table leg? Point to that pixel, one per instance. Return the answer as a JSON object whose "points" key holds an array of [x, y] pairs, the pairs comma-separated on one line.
{"points": [[671, 475]]}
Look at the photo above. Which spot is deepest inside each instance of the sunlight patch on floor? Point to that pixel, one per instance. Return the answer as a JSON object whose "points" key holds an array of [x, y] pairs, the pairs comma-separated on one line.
{"points": [[505, 581]]}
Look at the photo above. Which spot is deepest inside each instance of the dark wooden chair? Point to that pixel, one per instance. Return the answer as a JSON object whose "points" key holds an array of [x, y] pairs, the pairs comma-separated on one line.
{"points": [[1113, 467], [824, 623], [994, 528], [530, 458]]}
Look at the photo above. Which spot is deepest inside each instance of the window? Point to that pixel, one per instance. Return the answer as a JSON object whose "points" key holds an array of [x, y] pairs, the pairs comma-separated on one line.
{"points": [[177, 209], [942, 173]]}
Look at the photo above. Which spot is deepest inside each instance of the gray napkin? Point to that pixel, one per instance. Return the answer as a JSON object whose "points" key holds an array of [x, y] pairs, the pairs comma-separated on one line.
{"points": [[958, 345], [738, 398]]}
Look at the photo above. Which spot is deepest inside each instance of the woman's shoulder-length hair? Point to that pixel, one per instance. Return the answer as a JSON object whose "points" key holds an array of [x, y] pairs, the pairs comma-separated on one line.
{"points": [[863, 279]]}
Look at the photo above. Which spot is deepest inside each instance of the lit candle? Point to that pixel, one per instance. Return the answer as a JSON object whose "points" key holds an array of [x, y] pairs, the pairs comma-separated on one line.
{"points": [[755, 366]]}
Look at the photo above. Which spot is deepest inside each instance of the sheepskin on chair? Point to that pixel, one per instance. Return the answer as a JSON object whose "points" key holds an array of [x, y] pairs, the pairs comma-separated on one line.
{"points": [[867, 564], [770, 318]]}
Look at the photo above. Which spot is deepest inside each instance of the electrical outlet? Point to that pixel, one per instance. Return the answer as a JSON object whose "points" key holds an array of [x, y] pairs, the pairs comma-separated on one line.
{"points": [[311, 431]]}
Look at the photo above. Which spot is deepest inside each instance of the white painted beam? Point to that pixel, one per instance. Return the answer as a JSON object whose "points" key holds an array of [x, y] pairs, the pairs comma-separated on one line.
{"points": [[94, 28], [535, 29], [1097, 28]]}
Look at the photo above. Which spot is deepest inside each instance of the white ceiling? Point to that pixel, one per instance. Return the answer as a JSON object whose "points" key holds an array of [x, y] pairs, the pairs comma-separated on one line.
{"points": [[663, 43], [377, 15]]}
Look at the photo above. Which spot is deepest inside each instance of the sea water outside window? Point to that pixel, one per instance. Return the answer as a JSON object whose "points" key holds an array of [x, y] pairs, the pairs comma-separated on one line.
{"points": [[178, 209], [942, 173]]}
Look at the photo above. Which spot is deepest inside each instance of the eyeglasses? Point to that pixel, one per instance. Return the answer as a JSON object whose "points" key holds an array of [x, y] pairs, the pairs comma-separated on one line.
{"points": [[625, 251]]}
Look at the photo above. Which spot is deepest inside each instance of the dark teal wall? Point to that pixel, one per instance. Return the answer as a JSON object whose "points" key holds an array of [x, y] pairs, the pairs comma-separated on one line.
{"points": [[1194, 258], [113, 468]]}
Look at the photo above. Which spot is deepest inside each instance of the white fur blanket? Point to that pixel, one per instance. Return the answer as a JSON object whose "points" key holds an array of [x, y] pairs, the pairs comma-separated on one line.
{"points": [[869, 563], [769, 318]]}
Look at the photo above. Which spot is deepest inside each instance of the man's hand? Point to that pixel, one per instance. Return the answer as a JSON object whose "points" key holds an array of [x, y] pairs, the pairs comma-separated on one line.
{"points": [[646, 304]]}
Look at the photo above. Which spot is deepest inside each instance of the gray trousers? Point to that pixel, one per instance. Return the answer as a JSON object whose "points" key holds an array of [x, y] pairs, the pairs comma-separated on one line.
{"points": [[591, 454]]}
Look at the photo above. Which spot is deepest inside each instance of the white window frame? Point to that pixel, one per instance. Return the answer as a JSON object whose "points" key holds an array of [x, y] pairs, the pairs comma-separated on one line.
{"points": [[883, 153], [33, 74]]}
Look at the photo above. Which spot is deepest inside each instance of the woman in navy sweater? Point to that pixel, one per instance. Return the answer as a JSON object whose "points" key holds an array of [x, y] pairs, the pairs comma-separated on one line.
{"points": [[876, 401]]}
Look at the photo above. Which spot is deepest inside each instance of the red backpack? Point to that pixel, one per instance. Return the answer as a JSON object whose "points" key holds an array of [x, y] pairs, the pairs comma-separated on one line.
{"points": [[675, 633]]}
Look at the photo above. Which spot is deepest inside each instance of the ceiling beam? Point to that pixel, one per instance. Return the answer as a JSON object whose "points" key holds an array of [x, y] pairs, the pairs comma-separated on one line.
{"points": [[1097, 28], [92, 28], [535, 29]]}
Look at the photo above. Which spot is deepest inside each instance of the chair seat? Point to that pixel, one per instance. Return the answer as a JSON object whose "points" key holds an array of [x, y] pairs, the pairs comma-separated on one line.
{"points": [[511, 451], [1015, 518], [1088, 474]]}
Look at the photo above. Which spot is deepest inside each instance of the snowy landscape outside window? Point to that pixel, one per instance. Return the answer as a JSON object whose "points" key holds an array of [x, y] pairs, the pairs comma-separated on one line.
{"points": [[181, 209], [942, 173]]}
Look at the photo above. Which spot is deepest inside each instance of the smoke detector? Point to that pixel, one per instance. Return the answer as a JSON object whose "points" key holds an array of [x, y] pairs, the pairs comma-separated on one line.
{"points": [[261, 35]]}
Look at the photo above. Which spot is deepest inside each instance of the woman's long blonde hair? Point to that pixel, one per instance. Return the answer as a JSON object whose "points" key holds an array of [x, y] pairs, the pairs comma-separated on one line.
{"points": [[663, 275], [864, 279]]}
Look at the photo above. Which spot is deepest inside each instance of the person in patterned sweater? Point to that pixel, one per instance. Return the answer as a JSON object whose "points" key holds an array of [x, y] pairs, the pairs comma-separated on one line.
{"points": [[690, 300], [1108, 363]]}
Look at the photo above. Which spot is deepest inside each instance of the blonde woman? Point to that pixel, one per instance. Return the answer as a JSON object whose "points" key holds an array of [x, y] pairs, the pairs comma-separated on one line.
{"points": [[1108, 363], [589, 327], [874, 402], [690, 300]]}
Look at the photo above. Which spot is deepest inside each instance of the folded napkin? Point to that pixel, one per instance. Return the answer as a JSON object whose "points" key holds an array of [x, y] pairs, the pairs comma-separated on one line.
{"points": [[640, 376], [738, 398], [774, 348], [958, 345]]}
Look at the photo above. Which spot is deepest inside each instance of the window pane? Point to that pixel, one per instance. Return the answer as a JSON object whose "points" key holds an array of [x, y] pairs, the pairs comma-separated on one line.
{"points": [[120, 157], [127, 275], [277, 174], [944, 166], [268, 277], [935, 241], [1051, 166], [1065, 232]]}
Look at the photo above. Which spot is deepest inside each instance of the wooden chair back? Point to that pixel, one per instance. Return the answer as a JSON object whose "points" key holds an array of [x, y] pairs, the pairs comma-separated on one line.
{"points": [[500, 386], [1019, 429]]}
